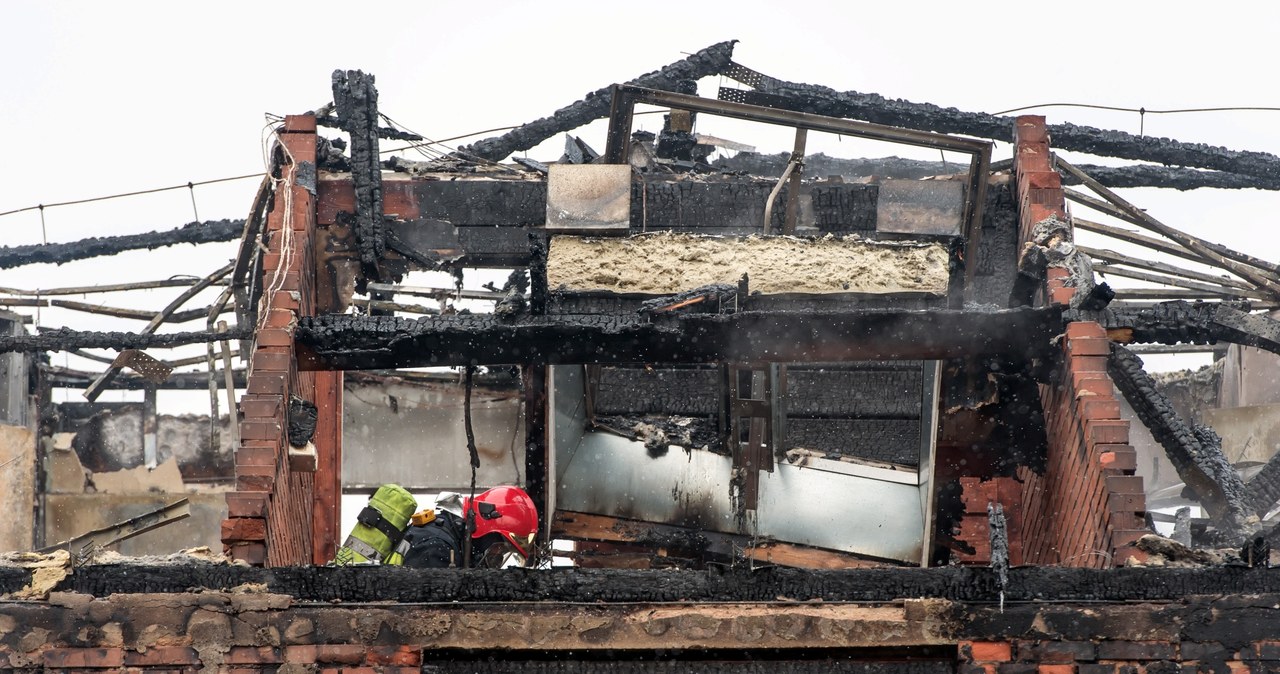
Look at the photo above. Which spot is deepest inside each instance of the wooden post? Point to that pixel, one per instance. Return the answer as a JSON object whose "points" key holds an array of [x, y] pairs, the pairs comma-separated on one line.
{"points": [[327, 509]]}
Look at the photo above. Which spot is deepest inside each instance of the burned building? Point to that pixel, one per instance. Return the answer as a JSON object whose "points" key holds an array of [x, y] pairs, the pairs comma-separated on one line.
{"points": [[779, 415]]}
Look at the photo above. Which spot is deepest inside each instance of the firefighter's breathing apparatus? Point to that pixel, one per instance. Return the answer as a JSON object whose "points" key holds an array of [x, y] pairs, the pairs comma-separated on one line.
{"points": [[379, 527]]}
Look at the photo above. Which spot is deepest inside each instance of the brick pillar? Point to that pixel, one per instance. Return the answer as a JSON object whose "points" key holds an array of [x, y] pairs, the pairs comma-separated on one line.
{"points": [[1088, 507], [269, 514]]}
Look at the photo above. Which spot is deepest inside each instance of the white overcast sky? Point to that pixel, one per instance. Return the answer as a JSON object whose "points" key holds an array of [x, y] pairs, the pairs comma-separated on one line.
{"points": [[102, 98]]}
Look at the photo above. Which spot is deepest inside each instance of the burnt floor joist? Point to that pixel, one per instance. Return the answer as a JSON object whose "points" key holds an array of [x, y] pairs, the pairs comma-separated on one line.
{"points": [[351, 342]]}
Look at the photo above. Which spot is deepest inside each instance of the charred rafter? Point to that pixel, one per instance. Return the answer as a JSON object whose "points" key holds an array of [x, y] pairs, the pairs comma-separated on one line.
{"points": [[710, 61], [67, 340], [356, 102], [927, 117], [1140, 175], [1186, 322], [1194, 450], [209, 231], [364, 342]]}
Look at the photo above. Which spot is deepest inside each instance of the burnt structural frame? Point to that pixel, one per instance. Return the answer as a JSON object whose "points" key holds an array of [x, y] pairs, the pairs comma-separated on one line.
{"points": [[626, 97]]}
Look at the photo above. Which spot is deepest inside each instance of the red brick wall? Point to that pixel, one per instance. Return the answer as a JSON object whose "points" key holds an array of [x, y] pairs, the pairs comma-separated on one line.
{"points": [[1088, 507], [269, 514], [1019, 656]]}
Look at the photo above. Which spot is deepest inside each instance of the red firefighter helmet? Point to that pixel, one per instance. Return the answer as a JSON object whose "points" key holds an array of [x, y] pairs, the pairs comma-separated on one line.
{"points": [[508, 511]]}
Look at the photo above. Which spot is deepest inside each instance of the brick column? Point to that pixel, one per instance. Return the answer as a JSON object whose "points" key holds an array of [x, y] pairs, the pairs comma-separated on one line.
{"points": [[1088, 507], [269, 514]]}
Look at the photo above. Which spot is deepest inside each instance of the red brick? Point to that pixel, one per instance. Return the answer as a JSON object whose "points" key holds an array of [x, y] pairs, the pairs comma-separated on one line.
{"points": [[1043, 180], [281, 318], [260, 429], [402, 656], [255, 478], [244, 529], [250, 553], [1127, 503], [63, 658], [265, 455], [1062, 295], [1089, 346], [246, 504], [987, 651], [267, 383], [274, 337], [261, 406], [1099, 407], [300, 124], [1056, 669], [160, 656], [1095, 384], [1057, 274], [345, 654], [305, 654], [273, 359], [252, 655], [1085, 329], [301, 146], [1239, 667], [285, 300], [1107, 432], [1126, 484], [1088, 363], [1121, 460], [1030, 129]]}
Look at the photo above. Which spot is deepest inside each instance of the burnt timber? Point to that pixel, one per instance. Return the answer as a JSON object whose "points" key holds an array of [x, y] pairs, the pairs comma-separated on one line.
{"points": [[354, 342]]}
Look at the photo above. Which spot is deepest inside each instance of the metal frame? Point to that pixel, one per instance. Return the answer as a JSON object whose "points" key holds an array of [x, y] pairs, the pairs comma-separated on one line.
{"points": [[625, 98]]}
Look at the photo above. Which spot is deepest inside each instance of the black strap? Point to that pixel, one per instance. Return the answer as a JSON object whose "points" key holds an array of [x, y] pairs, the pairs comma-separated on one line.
{"points": [[370, 517]]}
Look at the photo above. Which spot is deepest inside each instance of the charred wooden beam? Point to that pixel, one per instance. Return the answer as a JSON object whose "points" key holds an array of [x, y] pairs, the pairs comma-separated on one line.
{"points": [[1139, 175], [209, 231], [1194, 450], [1194, 323], [382, 131], [360, 342], [710, 61], [356, 102], [927, 117], [1263, 491], [64, 339]]}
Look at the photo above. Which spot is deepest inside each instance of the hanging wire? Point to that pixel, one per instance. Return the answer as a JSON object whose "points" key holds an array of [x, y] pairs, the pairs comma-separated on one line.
{"points": [[41, 207], [191, 186], [44, 233]]}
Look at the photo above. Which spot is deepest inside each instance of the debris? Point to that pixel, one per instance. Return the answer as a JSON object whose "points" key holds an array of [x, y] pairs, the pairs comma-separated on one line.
{"points": [[208, 231], [302, 421]]}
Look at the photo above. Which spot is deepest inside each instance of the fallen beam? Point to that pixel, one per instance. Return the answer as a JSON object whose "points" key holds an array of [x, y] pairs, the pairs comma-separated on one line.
{"points": [[1195, 451], [710, 61], [59, 377], [360, 342], [927, 117], [209, 231]]}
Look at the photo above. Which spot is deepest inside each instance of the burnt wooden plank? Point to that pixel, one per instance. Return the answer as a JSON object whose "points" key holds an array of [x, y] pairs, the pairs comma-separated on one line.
{"points": [[364, 342]]}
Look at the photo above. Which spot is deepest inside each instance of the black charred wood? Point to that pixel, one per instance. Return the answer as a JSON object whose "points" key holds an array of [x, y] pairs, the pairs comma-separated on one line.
{"points": [[1029, 584], [64, 339], [382, 131], [1263, 491], [302, 421], [209, 231], [1031, 276], [356, 102], [363, 342], [1195, 451], [710, 61], [701, 298], [1098, 297], [928, 117], [1193, 323], [1138, 175]]}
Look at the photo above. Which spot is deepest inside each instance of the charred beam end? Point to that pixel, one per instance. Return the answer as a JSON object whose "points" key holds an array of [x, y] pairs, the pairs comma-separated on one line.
{"points": [[710, 61], [1187, 322], [67, 340], [364, 342], [927, 117], [1263, 491], [1195, 451], [356, 102], [209, 231]]}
